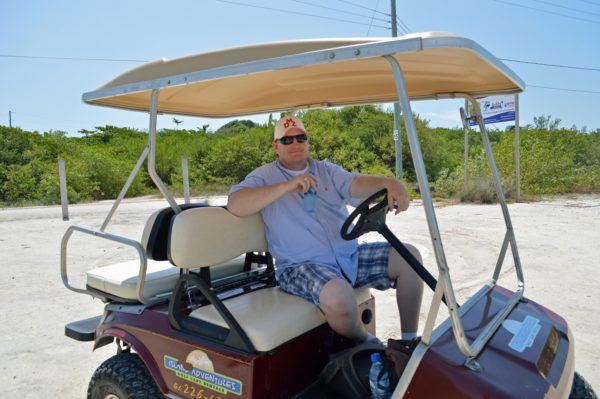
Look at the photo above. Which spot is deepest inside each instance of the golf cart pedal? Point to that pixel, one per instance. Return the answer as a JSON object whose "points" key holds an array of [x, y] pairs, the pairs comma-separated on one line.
{"points": [[83, 330]]}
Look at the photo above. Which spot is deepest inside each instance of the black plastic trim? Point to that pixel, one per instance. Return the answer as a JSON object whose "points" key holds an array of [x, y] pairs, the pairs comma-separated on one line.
{"points": [[107, 298], [157, 245], [83, 330]]}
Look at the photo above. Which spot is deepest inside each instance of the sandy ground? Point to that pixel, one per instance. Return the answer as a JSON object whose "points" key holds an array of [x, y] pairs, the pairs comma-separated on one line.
{"points": [[558, 248]]}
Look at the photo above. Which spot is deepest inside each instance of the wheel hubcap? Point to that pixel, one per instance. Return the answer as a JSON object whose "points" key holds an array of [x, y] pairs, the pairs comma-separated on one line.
{"points": [[111, 396]]}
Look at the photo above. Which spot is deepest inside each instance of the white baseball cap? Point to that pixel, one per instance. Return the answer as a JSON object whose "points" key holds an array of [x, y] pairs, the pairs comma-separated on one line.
{"points": [[286, 124]]}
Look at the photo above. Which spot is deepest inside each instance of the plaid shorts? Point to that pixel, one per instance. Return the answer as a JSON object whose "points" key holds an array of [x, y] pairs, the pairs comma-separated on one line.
{"points": [[307, 280]]}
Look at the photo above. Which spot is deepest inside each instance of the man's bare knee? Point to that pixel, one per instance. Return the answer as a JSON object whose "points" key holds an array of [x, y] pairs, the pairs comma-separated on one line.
{"points": [[338, 303], [415, 252], [337, 299], [398, 267]]}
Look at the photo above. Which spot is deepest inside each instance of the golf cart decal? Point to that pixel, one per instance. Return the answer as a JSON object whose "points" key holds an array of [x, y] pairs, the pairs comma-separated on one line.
{"points": [[524, 332], [202, 373]]}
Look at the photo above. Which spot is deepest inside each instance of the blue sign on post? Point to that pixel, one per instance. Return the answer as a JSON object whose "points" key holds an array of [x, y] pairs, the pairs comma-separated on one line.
{"points": [[496, 109]]}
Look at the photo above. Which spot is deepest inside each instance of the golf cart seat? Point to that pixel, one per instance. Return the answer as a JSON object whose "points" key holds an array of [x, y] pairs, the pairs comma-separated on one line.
{"points": [[118, 282], [268, 316]]}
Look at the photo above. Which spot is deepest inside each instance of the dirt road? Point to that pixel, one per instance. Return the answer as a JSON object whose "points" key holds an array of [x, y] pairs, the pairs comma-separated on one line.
{"points": [[558, 248]]}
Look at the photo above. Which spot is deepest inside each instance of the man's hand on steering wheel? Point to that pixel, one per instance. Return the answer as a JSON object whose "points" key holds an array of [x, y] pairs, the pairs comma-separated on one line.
{"points": [[397, 195]]}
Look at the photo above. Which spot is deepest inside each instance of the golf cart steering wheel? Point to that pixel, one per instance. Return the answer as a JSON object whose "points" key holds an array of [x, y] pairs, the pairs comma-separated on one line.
{"points": [[370, 218]]}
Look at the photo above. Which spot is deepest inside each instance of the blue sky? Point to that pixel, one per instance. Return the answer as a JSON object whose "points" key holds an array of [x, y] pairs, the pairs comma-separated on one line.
{"points": [[45, 94]]}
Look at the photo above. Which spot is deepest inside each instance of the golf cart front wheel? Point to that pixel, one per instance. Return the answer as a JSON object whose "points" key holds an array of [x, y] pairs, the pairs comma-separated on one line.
{"points": [[123, 376], [581, 388]]}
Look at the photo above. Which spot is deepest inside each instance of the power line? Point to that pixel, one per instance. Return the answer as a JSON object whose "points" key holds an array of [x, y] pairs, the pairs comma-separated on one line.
{"points": [[563, 89], [590, 2], [400, 27], [546, 11], [61, 126], [366, 8], [27, 117], [68, 58], [552, 65], [125, 60], [298, 13], [566, 8], [340, 10], [403, 25], [372, 17]]}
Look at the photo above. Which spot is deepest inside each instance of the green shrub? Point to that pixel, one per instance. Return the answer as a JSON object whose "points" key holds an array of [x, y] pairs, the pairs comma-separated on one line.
{"points": [[359, 138]]}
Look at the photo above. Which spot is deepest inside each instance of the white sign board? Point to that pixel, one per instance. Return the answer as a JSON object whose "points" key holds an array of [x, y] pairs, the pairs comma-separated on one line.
{"points": [[496, 109]]}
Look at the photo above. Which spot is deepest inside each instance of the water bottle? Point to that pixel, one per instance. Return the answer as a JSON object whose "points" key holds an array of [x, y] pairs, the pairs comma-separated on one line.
{"points": [[380, 385], [310, 199]]}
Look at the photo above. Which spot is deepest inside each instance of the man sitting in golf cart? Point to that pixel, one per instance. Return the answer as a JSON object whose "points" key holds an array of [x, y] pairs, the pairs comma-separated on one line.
{"points": [[303, 205]]}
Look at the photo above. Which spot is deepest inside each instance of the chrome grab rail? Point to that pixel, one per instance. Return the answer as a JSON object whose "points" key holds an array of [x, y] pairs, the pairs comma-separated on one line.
{"points": [[149, 152], [111, 237]]}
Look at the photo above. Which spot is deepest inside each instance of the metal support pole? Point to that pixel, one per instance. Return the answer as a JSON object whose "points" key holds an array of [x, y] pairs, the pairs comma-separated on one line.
{"points": [[9, 118], [186, 180], [394, 22], [517, 149], [62, 178], [125, 188], [434, 231], [499, 191], [470, 350], [397, 110], [398, 140], [466, 127], [152, 154]]}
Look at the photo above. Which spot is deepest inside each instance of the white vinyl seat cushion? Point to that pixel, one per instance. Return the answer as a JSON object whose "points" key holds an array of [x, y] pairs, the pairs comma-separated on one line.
{"points": [[209, 236], [271, 317], [120, 279]]}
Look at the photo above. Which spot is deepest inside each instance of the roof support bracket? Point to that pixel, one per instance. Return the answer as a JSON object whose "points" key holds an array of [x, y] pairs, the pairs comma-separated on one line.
{"points": [[152, 154]]}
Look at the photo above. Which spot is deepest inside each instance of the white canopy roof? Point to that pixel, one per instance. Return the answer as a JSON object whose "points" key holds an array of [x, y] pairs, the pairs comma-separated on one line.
{"points": [[309, 73]]}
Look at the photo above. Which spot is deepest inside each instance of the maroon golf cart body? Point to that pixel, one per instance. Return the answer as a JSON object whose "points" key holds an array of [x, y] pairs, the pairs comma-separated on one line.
{"points": [[199, 315]]}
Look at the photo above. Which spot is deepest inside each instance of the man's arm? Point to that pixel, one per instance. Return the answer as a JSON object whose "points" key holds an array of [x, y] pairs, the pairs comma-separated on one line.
{"points": [[365, 185], [248, 201]]}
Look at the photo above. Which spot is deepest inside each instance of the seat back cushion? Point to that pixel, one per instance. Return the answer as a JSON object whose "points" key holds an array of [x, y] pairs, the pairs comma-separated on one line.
{"points": [[156, 231], [208, 236]]}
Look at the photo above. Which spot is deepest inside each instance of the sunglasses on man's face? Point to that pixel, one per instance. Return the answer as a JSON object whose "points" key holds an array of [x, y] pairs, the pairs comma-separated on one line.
{"points": [[287, 140]]}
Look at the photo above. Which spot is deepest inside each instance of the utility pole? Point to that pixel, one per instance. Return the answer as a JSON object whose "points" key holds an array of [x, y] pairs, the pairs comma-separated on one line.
{"points": [[9, 119], [397, 127], [394, 24]]}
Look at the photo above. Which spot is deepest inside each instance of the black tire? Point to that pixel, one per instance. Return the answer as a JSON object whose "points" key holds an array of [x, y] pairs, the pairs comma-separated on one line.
{"points": [[123, 376], [581, 388]]}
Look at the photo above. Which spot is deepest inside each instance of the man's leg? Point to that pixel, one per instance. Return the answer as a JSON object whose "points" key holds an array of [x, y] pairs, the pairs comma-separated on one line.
{"points": [[338, 303], [409, 290], [326, 287]]}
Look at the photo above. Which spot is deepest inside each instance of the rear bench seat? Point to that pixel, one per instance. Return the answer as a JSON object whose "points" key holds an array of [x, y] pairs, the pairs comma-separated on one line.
{"points": [[269, 317], [119, 281]]}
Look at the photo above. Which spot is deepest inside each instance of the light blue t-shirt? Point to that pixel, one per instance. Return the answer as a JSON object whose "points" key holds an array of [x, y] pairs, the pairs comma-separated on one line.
{"points": [[298, 237]]}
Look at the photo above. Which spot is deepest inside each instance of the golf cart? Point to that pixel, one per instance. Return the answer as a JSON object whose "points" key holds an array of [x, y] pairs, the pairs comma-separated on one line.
{"points": [[199, 314]]}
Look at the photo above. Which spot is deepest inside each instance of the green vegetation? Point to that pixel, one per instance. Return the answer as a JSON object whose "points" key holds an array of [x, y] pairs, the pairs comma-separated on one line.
{"points": [[553, 160]]}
